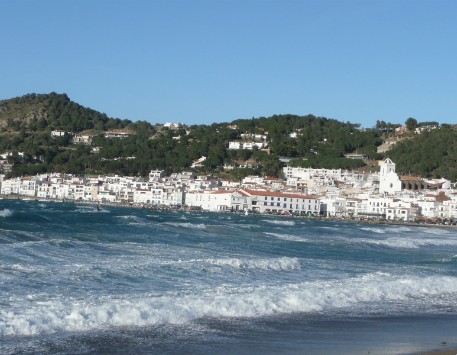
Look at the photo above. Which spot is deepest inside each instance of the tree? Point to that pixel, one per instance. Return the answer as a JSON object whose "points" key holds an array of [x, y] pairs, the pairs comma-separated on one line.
{"points": [[411, 124]]}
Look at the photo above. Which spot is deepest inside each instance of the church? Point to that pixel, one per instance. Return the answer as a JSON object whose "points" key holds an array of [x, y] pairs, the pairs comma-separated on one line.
{"points": [[389, 182]]}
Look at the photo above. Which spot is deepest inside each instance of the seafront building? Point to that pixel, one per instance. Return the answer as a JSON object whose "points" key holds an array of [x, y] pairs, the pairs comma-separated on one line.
{"points": [[304, 191]]}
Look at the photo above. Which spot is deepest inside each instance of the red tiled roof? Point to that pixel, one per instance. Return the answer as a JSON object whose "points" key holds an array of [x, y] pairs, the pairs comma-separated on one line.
{"points": [[442, 197]]}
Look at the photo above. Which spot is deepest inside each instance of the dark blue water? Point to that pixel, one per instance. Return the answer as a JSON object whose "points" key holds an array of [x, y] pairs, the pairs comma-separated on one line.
{"points": [[77, 280]]}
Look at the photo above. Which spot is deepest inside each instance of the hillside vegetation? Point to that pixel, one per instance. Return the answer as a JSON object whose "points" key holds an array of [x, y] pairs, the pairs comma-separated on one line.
{"points": [[431, 154], [26, 124]]}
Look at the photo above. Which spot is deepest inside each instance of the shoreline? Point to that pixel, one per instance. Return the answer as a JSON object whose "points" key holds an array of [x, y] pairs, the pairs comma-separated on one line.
{"points": [[435, 347], [441, 352], [190, 209]]}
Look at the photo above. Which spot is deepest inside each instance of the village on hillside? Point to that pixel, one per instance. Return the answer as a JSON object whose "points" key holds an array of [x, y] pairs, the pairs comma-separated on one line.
{"points": [[310, 192]]}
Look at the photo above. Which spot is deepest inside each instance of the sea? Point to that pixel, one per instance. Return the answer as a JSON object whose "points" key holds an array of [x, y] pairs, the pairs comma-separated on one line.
{"points": [[75, 279]]}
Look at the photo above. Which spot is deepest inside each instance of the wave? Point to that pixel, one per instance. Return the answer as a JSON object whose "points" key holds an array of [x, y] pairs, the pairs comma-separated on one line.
{"points": [[377, 230], [187, 225], [279, 222], [134, 220], [288, 237], [409, 242], [353, 294], [6, 213], [278, 264]]}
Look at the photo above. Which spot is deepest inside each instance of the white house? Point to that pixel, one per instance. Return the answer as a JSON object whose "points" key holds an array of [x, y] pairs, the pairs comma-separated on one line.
{"points": [[401, 211], [235, 145], [57, 133], [156, 175], [143, 196], [82, 139], [220, 200], [333, 206], [271, 201]]}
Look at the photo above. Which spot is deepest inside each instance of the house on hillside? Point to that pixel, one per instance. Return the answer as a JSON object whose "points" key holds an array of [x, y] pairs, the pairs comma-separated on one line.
{"points": [[83, 138]]}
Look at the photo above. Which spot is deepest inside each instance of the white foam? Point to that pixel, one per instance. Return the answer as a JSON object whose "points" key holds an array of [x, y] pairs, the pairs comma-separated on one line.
{"points": [[277, 264], [36, 317], [374, 230], [187, 225], [279, 222], [6, 213], [410, 242], [288, 237]]}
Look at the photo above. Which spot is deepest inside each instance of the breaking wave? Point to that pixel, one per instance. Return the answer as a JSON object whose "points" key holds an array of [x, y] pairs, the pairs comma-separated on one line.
{"points": [[57, 315], [187, 225], [278, 264], [279, 222], [289, 237], [6, 213]]}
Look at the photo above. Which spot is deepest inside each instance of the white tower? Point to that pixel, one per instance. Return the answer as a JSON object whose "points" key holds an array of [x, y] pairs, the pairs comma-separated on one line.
{"points": [[388, 179], [386, 167]]}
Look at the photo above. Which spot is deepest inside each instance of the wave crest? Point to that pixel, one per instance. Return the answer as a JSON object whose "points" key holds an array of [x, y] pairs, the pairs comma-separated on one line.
{"points": [[279, 264], [317, 296], [279, 222], [6, 213]]}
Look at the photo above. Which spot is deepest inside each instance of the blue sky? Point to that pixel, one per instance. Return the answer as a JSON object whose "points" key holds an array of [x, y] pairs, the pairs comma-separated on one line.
{"points": [[202, 61]]}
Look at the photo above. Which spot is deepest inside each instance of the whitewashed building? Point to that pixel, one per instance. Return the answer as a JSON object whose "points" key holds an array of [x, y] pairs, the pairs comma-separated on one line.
{"points": [[389, 182], [220, 200], [271, 201], [400, 211]]}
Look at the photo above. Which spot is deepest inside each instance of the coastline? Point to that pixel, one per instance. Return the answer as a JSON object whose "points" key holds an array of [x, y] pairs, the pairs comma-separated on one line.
{"points": [[190, 209], [391, 331], [442, 352]]}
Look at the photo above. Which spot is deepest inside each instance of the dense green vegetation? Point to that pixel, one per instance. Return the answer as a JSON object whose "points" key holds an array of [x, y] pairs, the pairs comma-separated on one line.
{"points": [[430, 154], [26, 124]]}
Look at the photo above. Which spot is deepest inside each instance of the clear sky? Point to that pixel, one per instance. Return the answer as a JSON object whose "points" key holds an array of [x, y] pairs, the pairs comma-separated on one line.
{"points": [[206, 61]]}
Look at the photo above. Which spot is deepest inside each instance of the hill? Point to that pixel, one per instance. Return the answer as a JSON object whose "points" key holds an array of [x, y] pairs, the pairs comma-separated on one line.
{"points": [[430, 154], [89, 142], [51, 111]]}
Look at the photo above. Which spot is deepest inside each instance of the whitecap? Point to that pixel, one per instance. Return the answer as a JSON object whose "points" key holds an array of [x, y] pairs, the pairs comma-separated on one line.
{"points": [[275, 264], [6, 213], [374, 230], [409, 242], [279, 222], [134, 220], [351, 294], [289, 237], [187, 225]]}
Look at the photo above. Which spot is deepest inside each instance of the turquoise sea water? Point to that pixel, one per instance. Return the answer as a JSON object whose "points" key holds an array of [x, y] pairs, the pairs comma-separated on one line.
{"points": [[77, 280]]}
